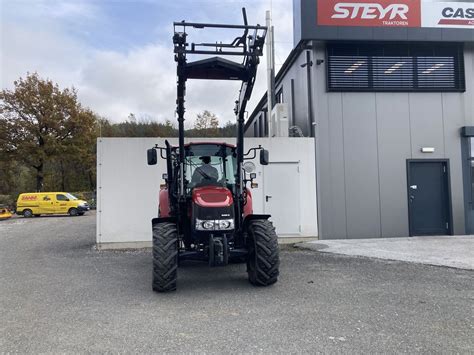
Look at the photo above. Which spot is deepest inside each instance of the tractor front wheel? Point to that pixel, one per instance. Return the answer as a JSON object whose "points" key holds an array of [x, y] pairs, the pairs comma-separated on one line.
{"points": [[264, 257], [165, 257]]}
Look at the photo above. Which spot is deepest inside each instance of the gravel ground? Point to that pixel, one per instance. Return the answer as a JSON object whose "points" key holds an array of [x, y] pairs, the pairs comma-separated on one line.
{"points": [[58, 294]]}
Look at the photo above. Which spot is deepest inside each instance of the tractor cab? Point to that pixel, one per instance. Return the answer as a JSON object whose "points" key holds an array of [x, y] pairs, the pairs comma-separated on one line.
{"points": [[210, 164]]}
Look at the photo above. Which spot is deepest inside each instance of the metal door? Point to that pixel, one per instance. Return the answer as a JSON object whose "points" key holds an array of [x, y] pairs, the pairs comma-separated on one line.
{"points": [[429, 197], [281, 196]]}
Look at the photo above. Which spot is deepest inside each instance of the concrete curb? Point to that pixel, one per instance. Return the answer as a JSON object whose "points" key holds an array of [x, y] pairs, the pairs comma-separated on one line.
{"points": [[147, 245]]}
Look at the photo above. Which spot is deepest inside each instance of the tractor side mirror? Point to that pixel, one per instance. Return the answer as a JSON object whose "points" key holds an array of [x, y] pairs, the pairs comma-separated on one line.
{"points": [[264, 157], [152, 156]]}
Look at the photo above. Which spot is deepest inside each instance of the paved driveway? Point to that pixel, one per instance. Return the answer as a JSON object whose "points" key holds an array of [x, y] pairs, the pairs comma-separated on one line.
{"points": [[57, 294], [451, 251]]}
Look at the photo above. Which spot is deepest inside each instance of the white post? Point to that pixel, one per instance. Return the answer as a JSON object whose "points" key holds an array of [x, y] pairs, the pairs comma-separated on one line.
{"points": [[270, 72]]}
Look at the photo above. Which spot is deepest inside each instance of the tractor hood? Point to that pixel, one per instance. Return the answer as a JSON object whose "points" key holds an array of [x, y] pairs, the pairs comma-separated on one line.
{"points": [[212, 196]]}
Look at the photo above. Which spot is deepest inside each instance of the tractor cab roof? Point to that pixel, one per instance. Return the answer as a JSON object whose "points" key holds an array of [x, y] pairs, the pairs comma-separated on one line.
{"points": [[209, 143], [207, 149]]}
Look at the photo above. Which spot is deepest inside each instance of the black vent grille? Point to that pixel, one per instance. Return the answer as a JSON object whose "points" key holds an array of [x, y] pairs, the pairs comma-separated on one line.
{"points": [[379, 68]]}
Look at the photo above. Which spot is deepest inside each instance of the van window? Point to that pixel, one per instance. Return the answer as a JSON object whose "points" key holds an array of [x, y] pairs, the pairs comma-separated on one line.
{"points": [[46, 198], [60, 197], [71, 197]]}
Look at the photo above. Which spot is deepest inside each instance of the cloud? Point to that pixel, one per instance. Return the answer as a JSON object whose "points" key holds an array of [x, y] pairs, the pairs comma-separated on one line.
{"points": [[117, 81], [139, 81], [44, 50]]}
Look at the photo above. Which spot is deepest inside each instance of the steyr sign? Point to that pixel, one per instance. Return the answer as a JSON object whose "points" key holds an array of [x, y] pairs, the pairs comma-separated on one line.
{"points": [[399, 13]]}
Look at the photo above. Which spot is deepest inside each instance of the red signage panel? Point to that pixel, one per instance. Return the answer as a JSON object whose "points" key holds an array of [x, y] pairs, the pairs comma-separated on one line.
{"points": [[370, 13]]}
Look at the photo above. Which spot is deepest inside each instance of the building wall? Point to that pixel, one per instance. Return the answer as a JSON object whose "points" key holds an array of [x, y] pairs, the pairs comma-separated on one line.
{"points": [[127, 188], [363, 141]]}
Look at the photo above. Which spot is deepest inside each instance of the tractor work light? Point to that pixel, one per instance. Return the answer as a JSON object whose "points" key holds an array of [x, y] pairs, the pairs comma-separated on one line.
{"points": [[217, 225]]}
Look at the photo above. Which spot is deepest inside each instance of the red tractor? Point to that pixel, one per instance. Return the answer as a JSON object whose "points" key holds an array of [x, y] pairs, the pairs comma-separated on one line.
{"points": [[205, 207]]}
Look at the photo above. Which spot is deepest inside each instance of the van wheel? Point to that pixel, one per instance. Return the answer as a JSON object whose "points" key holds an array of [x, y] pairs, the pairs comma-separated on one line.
{"points": [[27, 213], [73, 212]]}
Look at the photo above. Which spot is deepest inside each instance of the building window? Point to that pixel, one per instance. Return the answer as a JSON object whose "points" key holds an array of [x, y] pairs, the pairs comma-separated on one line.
{"points": [[395, 67], [255, 129]]}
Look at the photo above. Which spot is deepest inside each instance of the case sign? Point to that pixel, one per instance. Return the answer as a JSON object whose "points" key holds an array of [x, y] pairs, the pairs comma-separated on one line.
{"points": [[395, 13], [448, 14]]}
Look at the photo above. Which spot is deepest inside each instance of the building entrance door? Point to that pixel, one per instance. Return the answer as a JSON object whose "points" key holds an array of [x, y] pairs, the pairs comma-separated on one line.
{"points": [[429, 202], [281, 196]]}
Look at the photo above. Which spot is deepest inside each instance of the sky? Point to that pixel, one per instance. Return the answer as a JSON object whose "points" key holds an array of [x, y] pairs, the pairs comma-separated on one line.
{"points": [[118, 54]]}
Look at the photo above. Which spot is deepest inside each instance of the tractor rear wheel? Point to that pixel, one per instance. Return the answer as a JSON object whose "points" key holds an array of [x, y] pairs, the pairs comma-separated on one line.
{"points": [[264, 257], [165, 257]]}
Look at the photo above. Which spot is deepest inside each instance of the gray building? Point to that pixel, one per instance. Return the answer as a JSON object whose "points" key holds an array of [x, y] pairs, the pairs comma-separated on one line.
{"points": [[388, 93]]}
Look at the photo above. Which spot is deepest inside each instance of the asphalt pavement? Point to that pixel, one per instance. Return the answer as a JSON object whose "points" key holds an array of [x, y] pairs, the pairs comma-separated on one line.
{"points": [[59, 294]]}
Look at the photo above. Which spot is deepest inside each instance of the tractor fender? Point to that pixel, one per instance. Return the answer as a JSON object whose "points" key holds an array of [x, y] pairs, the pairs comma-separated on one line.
{"points": [[159, 220], [252, 217], [248, 207], [163, 203]]}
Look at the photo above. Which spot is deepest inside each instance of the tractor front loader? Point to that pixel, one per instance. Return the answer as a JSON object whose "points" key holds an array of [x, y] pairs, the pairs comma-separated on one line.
{"points": [[205, 206]]}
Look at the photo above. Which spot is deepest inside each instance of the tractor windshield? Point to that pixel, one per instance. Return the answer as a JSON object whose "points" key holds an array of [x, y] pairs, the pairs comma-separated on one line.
{"points": [[210, 164]]}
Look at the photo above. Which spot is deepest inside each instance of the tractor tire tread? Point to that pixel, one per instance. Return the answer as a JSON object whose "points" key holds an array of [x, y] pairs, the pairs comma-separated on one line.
{"points": [[264, 260], [165, 257]]}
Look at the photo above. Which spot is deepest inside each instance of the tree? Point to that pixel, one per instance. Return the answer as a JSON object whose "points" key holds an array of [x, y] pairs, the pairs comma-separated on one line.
{"points": [[43, 124], [207, 122]]}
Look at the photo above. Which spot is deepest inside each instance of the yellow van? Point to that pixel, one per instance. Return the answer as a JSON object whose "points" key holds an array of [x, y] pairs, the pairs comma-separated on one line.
{"points": [[38, 203]]}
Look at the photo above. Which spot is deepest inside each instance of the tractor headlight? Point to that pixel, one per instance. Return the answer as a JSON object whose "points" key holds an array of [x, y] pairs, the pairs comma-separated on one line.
{"points": [[208, 224], [203, 225], [225, 224], [219, 224]]}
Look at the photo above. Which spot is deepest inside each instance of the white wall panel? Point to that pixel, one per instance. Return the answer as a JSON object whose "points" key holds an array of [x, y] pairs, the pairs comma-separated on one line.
{"points": [[127, 192]]}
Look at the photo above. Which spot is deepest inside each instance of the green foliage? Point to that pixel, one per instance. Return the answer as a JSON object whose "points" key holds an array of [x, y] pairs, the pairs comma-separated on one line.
{"points": [[207, 125], [132, 128], [206, 122], [43, 125]]}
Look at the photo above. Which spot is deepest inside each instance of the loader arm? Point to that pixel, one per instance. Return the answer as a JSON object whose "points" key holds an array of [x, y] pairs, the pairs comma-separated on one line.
{"points": [[249, 48]]}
